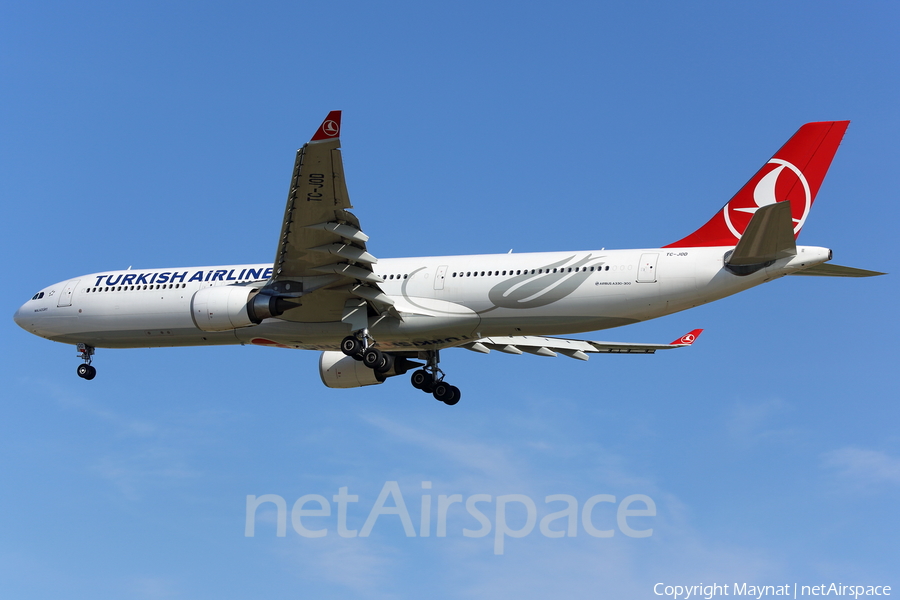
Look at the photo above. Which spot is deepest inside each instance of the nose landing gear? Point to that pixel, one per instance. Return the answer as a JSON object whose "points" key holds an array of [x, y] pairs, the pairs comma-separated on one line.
{"points": [[86, 371]]}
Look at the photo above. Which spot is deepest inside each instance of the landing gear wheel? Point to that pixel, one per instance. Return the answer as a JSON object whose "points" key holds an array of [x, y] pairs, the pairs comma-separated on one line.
{"points": [[372, 357], [441, 391], [421, 379], [386, 364], [351, 346], [446, 393], [87, 372], [455, 397]]}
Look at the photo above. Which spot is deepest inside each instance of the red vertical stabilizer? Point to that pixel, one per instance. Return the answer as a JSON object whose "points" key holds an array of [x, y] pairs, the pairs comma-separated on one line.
{"points": [[793, 175]]}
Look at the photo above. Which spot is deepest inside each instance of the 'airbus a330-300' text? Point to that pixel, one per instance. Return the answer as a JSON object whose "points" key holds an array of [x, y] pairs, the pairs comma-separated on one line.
{"points": [[374, 319]]}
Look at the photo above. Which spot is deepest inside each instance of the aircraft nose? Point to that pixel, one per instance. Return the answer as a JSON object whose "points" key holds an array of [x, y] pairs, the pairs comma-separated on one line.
{"points": [[26, 319], [19, 317]]}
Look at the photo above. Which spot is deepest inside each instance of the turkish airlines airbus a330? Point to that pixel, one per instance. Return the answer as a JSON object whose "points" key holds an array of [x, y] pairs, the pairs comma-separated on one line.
{"points": [[374, 319]]}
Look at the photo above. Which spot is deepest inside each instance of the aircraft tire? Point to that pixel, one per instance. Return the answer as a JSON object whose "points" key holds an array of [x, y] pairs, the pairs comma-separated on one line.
{"points": [[386, 364], [351, 346], [455, 397], [87, 372], [372, 358], [446, 393], [420, 379]]}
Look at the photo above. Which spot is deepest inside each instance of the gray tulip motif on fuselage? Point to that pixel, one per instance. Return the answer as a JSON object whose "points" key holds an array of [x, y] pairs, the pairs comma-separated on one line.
{"points": [[534, 289]]}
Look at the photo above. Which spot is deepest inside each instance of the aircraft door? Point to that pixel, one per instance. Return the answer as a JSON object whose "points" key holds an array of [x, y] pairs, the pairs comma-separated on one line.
{"points": [[65, 298], [439, 277], [647, 267]]}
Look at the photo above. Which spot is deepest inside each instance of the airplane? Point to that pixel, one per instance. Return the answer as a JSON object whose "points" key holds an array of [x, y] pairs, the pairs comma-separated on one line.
{"points": [[375, 319]]}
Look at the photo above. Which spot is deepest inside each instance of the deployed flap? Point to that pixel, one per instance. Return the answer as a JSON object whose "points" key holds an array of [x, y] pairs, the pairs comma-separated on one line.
{"points": [[579, 349], [829, 270], [768, 237], [321, 255]]}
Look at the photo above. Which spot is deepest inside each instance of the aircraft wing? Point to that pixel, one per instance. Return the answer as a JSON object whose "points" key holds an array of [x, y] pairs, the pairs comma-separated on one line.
{"points": [[321, 262], [547, 346]]}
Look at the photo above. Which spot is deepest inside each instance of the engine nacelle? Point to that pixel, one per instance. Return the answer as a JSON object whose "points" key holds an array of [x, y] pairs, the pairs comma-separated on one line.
{"points": [[222, 308], [341, 371]]}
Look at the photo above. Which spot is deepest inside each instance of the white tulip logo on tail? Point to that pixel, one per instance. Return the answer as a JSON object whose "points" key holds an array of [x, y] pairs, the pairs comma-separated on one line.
{"points": [[765, 193], [330, 128]]}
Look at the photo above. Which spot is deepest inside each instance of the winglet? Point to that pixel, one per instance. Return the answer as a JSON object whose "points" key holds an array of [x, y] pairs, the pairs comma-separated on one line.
{"points": [[688, 338], [330, 127]]}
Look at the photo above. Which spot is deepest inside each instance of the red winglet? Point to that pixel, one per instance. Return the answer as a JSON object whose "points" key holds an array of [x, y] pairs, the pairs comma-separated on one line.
{"points": [[688, 338], [330, 127]]}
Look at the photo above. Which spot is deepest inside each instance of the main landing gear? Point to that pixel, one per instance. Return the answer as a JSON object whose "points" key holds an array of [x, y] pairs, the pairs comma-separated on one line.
{"points": [[358, 347], [86, 371], [431, 381]]}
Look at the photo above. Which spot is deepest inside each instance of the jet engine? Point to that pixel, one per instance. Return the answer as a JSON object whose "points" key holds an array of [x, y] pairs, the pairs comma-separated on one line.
{"points": [[224, 308], [341, 371]]}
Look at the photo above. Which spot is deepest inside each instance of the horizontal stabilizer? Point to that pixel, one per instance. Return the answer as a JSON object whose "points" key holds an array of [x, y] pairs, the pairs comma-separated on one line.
{"points": [[768, 237], [829, 270]]}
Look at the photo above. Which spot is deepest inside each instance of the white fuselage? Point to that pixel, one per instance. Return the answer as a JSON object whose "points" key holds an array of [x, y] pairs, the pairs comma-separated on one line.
{"points": [[443, 301]]}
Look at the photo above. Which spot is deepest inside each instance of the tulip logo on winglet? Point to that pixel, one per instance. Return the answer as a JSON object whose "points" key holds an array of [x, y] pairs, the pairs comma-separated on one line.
{"points": [[330, 128]]}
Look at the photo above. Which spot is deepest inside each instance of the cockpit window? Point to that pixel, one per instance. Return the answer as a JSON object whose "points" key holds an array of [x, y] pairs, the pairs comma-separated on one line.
{"points": [[38, 296]]}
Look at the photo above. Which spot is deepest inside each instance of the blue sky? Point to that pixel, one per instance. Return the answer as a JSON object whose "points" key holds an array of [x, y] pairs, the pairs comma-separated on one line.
{"points": [[163, 134]]}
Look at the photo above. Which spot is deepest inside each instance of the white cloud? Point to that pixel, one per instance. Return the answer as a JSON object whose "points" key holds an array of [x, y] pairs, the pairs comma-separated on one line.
{"points": [[866, 467]]}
